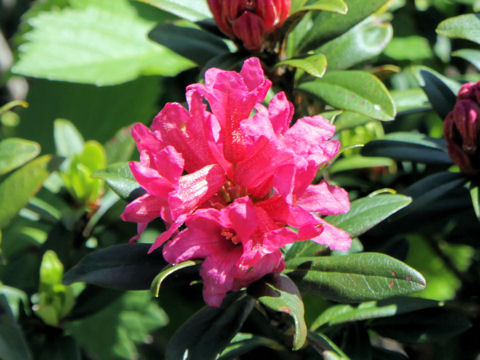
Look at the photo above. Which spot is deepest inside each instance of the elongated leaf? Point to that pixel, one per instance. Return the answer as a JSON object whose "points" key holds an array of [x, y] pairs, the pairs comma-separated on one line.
{"points": [[68, 140], [315, 65], [279, 293], [359, 162], [400, 48], [94, 45], [12, 343], [196, 45], [360, 43], [354, 278], [463, 26], [357, 91], [337, 6], [17, 189], [471, 55], [170, 269], [371, 310], [15, 152], [475, 195], [410, 100], [409, 147], [348, 119], [243, 343], [364, 214], [187, 9], [209, 331], [127, 267], [10, 105], [326, 347], [120, 179]]}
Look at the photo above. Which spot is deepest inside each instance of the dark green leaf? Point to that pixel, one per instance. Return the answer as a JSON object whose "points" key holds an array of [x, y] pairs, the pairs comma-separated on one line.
{"points": [[12, 342], [92, 300], [17, 189], [243, 343], [326, 347], [68, 140], [157, 282], [209, 331], [60, 348], [357, 91], [356, 342], [464, 27], [187, 9], [408, 146], [354, 278], [315, 65], [196, 45], [120, 179], [127, 267], [15, 152], [386, 354], [280, 294]]}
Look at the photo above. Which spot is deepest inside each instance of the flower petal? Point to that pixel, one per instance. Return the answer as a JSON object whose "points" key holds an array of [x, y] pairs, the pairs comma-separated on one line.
{"points": [[325, 199]]}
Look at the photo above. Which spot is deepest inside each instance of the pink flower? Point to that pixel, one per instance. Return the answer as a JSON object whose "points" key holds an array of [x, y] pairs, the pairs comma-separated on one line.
{"points": [[249, 20], [247, 182]]}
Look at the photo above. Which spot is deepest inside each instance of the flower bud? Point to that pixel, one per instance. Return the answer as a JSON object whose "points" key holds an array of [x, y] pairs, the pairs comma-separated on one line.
{"points": [[462, 129], [249, 20]]}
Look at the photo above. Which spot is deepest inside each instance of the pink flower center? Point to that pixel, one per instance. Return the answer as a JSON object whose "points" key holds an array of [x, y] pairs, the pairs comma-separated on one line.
{"points": [[231, 191], [229, 234]]}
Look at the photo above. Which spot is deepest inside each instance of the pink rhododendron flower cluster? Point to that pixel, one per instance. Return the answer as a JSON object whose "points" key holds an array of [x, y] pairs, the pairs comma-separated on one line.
{"points": [[241, 184]]}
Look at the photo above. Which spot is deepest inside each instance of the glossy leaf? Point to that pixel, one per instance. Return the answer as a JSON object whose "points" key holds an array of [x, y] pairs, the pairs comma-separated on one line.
{"points": [[355, 278], [359, 162], [357, 91], [12, 343], [68, 140], [406, 146], [15, 152], [315, 65], [280, 294], [209, 331], [360, 43], [410, 100], [470, 55], [187, 9], [105, 47], [337, 6], [126, 266], [463, 26], [194, 44], [349, 119], [17, 189], [364, 214], [243, 343], [120, 179], [170, 269]]}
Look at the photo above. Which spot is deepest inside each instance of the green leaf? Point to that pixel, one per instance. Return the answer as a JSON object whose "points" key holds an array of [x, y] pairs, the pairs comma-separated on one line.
{"points": [[68, 140], [355, 278], [359, 162], [360, 43], [17, 189], [15, 152], [194, 44], [243, 343], [475, 195], [118, 327], [408, 146], [280, 294], [51, 270], [187, 9], [120, 179], [120, 148], [170, 269], [471, 55], [348, 120], [10, 105], [315, 65], [12, 342], [364, 214], [94, 45], [422, 326], [400, 48], [337, 6], [328, 25], [357, 91], [410, 100], [125, 266], [463, 27], [326, 347], [209, 331], [371, 310]]}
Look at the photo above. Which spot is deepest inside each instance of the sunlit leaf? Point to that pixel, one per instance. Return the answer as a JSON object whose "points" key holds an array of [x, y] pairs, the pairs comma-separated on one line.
{"points": [[15, 152]]}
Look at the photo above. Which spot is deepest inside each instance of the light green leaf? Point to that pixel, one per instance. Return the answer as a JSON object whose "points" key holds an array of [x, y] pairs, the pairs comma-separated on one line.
{"points": [[187, 9], [359, 162], [355, 278], [120, 179], [349, 119], [410, 100], [315, 65], [170, 269], [400, 48], [17, 189], [471, 55], [68, 140], [337, 6], [12, 343], [475, 195], [120, 147], [10, 105], [51, 270], [463, 26], [94, 45], [357, 91], [15, 152]]}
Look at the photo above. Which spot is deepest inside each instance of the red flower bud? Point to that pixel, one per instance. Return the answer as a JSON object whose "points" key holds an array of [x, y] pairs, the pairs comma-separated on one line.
{"points": [[249, 20], [462, 129]]}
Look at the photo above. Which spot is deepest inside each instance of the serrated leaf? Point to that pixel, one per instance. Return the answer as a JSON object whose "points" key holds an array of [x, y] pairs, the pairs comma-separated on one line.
{"points": [[463, 26], [15, 152], [12, 343], [407, 146], [120, 179], [126, 266], [170, 269], [364, 214], [68, 140], [94, 45], [209, 331], [315, 65], [357, 91], [470, 55], [17, 189], [187, 9], [355, 278], [280, 294]]}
